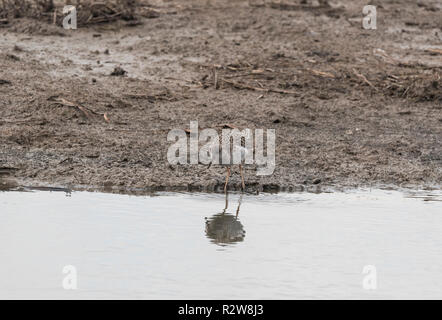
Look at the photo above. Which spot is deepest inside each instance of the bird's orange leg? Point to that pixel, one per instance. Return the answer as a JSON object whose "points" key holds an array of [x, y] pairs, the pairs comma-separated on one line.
{"points": [[227, 178]]}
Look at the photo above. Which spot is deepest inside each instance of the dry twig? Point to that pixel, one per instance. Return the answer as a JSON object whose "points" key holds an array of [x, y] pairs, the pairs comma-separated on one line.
{"points": [[89, 113], [361, 76], [244, 86], [321, 73]]}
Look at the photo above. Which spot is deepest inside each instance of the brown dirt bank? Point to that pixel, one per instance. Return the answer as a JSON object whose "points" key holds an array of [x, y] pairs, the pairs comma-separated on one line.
{"points": [[351, 107]]}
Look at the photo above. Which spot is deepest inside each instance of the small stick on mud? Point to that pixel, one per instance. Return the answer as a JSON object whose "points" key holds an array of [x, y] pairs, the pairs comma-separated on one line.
{"points": [[65, 102], [321, 73], [386, 57], [243, 86], [434, 51], [86, 111], [361, 76], [186, 80]]}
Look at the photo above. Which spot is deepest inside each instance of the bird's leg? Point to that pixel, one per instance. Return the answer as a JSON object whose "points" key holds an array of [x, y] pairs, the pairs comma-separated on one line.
{"points": [[242, 177], [227, 179]]}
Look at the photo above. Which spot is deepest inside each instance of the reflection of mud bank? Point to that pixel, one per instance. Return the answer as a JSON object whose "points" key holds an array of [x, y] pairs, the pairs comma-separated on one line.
{"points": [[345, 113]]}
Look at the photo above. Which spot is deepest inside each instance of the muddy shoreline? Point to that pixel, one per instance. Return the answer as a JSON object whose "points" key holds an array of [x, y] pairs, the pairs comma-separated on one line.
{"points": [[351, 107]]}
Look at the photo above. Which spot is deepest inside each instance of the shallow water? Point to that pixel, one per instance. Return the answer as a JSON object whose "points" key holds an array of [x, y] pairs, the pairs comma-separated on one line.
{"points": [[182, 246]]}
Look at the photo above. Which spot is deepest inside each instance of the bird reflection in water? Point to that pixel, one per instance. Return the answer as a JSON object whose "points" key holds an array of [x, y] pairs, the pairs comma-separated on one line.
{"points": [[225, 228]]}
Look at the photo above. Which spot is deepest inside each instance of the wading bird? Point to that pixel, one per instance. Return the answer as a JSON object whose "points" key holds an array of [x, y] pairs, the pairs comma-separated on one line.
{"points": [[214, 154]]}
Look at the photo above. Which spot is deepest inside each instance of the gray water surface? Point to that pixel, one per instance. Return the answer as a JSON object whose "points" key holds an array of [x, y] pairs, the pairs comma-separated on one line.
{"points": [[188, 246]]}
